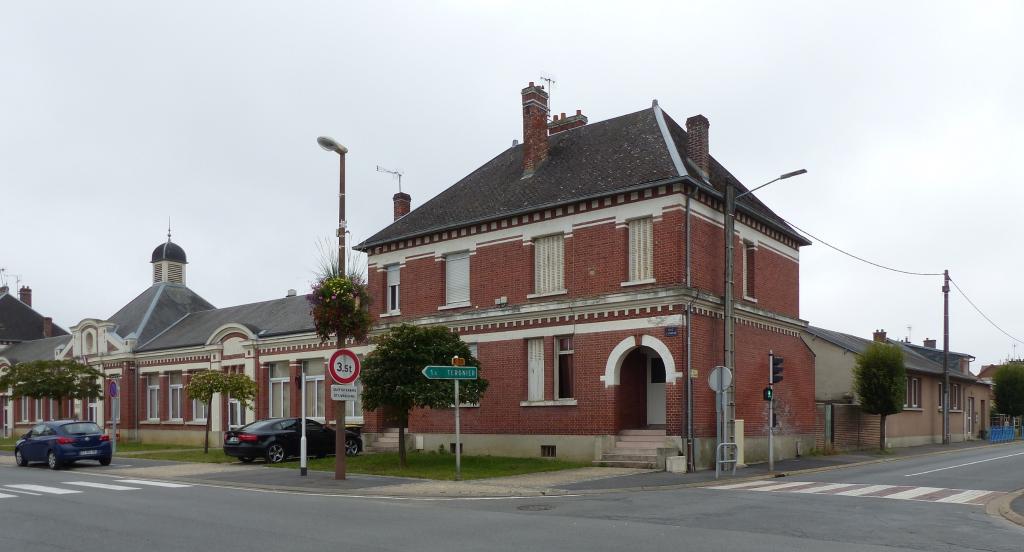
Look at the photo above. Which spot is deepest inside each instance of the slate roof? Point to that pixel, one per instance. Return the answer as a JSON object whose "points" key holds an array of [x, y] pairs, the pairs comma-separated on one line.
{"points": [[593, 160], [39, 349], [912, 357], [156, 309], [284, 316], [169, 251], [19, 322]]}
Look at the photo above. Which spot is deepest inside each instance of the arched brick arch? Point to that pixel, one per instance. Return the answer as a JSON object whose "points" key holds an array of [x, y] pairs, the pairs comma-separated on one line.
{"points": [[613, 366]]}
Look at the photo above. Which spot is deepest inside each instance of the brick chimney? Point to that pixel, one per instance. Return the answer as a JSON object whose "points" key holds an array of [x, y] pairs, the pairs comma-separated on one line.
{"points": [[403, 204], [4, 289], [880, 336], [535, 127], [563, 123], [930, 343], [47, 326], [25, 294], [697, 143]]}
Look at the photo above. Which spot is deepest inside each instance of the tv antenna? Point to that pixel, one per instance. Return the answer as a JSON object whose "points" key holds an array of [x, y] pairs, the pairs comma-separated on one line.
{"points": [[550, 79], [909, 328], [397, 173], [5, 274]]}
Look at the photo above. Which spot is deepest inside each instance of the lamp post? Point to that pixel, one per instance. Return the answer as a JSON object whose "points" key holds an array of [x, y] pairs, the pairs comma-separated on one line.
{"points": [[729, 316], [340, 437]]}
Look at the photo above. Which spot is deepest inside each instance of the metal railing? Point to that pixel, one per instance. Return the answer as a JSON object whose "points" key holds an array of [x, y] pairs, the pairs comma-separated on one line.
{"points": [[1002, 434]]}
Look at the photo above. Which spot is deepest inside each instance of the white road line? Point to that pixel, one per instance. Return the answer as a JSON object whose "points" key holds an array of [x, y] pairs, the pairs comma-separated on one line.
{"points": [[962, 497], [781, 486], [153, 483], [2, 495], [741, 485], [23, 492], [822, 488], [962, 465], [100, 485], [865, 490], [913, 493], [43, 489]]}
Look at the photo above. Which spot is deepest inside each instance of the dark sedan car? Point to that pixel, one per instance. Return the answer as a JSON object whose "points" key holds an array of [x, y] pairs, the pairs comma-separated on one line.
{"points": [[61, 443], [279, 438]]}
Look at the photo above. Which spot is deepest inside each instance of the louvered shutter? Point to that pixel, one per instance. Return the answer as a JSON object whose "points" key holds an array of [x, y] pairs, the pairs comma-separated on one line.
{"points": [[535, 375], [457, 278], [641, 249], [549, 264]]}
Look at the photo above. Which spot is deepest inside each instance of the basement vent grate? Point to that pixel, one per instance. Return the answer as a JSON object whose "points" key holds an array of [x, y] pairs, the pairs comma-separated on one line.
{"points": [[547, 451]]}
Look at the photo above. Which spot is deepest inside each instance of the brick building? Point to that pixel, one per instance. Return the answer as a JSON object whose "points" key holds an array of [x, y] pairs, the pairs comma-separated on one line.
{"points": [[585, 266]]}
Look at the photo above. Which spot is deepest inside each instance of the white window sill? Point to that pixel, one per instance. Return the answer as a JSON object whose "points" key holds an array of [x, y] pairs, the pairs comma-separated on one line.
{"points": [[556, 402], [748, 298], [913, 409], [196, 423], [391, 313], [951, 410], [462, 305], [466, 405], [547, 294], [150, 422], [638, 282]]}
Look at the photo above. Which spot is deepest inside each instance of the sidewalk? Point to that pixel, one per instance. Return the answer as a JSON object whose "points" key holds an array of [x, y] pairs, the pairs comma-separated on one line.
{"points": [[566, 482]]}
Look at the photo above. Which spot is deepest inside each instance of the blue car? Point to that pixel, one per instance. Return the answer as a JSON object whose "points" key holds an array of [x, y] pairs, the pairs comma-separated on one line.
{"points": [[63, 442]]}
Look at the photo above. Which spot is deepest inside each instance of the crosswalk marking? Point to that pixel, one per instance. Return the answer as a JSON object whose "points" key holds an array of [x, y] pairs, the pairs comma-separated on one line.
{"points": [[153, 483], [43, 489], [895, 492], [2, 495], [100, 486]]}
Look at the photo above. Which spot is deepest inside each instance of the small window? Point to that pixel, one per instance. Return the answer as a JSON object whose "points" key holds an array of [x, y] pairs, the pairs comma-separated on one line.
{"points": [[564, 370], [749, 269], [641, 249], [393, 284], [174, 396], [457, 278], [451, 447], [153, 397], [547, 451], [549, 264]]}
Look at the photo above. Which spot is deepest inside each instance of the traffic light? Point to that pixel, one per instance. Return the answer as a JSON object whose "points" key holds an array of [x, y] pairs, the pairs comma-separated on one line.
{"points": [[776, 369], [767, 393]]}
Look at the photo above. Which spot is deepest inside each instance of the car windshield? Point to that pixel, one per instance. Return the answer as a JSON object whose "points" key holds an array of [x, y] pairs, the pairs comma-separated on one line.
{"points": [[81, 428], [260, 425]]}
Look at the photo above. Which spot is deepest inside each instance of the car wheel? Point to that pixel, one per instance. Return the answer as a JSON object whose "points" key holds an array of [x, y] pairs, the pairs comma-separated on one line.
{"points": [[104, 461], [351, 447], [246, 459], [22, 461], [51, 460], [274, 454]]}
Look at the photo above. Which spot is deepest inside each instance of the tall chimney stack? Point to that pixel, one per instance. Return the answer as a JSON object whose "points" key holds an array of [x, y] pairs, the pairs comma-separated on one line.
{"points": [[930, 343], [880, 336], [535, 127], [697, 143], [563, 123], [403, 204], [25, 294], [47, 326]]}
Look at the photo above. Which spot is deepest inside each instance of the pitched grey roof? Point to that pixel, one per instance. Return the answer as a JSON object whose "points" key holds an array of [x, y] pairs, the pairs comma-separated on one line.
{"points": [[39, 349], [289, 315], [912, 358], [589, 161], [156, 309], [19, 322]]}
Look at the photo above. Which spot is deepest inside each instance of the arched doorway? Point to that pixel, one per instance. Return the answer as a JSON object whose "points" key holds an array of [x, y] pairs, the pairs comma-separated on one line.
{"points": [[640, 369]]}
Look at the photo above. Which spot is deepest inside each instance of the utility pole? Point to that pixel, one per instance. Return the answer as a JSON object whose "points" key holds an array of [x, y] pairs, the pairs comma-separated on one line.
{"points": [[729, 322], [945, 357]]}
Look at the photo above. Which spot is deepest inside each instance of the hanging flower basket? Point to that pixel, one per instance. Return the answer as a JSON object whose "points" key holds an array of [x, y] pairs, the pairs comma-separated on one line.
{"points": [[339, 308]]}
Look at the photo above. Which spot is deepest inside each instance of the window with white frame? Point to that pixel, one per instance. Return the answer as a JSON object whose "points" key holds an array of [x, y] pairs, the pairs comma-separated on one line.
{"points": [[115, 404], [54, 409], [354, 409], [24, 408], [280, 400], [91, 410], [199, 409], [563, 368], [549, 264], [314, 370], [153, 397], [394, 282], [913, 398], [236, 414], [39, 409], [535, 369], [456, 278], [641, 249], [174, 396], [954, 397]]}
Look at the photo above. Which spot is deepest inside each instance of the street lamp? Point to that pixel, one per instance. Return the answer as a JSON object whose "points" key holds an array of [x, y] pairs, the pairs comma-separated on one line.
{"points": [[330, 144], [730, 230]]}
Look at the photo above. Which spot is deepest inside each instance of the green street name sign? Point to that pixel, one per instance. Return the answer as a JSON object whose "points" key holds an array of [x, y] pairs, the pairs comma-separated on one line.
{"points": [[450, 372]]}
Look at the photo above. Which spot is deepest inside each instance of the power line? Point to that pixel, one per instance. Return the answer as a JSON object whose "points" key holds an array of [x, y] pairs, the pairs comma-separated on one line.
{"points": [[861, 259], [983, 315]]}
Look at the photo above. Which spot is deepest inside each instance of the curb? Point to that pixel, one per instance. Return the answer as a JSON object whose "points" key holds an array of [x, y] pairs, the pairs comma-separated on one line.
{"points": [[1001, 507]]}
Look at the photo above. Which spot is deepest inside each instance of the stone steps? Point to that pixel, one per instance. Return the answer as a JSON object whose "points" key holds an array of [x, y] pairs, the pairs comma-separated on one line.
{"points": [[634, 448]]}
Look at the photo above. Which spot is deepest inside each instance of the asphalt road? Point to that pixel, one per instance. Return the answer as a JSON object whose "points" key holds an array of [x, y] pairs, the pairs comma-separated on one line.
{"points": [[135, 515]]}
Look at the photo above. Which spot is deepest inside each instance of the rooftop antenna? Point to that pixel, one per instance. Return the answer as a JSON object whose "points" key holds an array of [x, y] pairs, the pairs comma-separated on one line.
{"points": [[550, 79], [397, 173], [909, 327], [168, 229]]}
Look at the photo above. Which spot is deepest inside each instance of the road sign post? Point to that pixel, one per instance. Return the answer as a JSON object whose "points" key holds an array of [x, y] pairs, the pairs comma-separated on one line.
{"points": [[302, 441], [344, 369], [114, 407], [456, 372]]}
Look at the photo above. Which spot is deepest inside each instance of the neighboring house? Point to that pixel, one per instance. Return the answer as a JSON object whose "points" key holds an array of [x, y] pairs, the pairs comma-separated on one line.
{"points": [[153, 345], [845, 427], [19, 322], [569, 263]]}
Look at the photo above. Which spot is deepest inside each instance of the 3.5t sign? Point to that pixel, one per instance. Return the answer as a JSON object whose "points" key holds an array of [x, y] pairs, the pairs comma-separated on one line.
{"points": [[344, 367]]}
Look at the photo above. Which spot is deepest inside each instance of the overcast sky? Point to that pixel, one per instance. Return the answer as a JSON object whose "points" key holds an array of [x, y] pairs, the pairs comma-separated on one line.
{"points": [[115, 116]]}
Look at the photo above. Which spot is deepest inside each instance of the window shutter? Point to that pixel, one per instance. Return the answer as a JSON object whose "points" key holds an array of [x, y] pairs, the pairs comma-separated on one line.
{"points": [[457, 278], [549, 264], [394, 275], [535, 358], [640, 249]]}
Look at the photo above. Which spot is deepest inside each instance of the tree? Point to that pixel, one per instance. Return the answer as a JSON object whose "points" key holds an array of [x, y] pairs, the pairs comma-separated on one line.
{"points": [[393, 379], [53, 379], [880, 382], [1009, 389], [204, 385]]}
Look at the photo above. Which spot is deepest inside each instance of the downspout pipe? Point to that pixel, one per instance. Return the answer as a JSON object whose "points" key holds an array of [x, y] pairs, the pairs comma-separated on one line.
{"points": [[690, 461]]}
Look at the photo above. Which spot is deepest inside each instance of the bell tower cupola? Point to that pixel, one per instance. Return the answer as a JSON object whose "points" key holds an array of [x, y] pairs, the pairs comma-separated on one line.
{"points": [[169, 262]]}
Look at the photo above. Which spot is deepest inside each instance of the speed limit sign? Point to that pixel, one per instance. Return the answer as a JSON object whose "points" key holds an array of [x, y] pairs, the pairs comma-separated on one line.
{"points": [[344, 366]]}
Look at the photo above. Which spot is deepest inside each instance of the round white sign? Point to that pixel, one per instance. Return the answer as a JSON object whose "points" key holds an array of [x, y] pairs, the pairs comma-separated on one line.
{"points": [[344, 366], [720, 379]]}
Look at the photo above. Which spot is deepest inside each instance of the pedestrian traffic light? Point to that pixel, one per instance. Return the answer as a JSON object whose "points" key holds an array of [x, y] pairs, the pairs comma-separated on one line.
{"points": [[776, 369], [768, 393]]}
